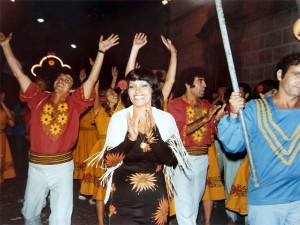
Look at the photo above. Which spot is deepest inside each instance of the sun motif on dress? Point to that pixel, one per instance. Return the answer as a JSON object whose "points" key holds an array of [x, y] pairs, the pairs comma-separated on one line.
{"points": [[48, 108], [46, 119], [143, 182], [112, 210], [161, 215], [151, 138], [190, 112], [113, 159], [62, 118], [55, 129], [62, 107]]}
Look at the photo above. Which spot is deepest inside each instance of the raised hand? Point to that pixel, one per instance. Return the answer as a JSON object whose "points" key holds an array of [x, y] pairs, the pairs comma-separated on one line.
{"points": [[220, 113], [82, 75], [169, 45], [148, 124], [91, 61], [4, 39], [210, 113], [112, 40], [133, 127], [139, 40], [137, 65], [114, 72]]}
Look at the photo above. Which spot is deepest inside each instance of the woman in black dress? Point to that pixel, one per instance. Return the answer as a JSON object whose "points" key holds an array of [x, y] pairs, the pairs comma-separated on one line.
{"points": [[142, 148]]}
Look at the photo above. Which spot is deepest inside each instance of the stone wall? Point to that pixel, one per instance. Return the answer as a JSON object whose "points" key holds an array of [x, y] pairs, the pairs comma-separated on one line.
{"points": [[260, 33]]}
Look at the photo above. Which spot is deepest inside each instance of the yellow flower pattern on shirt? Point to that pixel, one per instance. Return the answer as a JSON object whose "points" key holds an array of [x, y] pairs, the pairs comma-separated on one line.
{"points": [[62, 118], [192, 114], [54, 119], [55, 129], [48, 109], [46, 119], [62, 107]]}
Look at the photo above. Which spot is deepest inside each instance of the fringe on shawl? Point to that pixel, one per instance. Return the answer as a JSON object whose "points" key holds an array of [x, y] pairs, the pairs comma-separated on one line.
{"points": [[177, 148], [96, 159], [181, 155], [106, 179]]}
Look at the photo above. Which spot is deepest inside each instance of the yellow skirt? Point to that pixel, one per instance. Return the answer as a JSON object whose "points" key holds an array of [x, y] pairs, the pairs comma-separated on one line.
{"points": [[214, 189], [90, 184], [86, 140], [237, 200], [7, 168]]}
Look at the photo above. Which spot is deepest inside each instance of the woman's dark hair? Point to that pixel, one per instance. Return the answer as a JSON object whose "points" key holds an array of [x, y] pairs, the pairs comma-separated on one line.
{"points": [[148, 76], [264, 87], [287, 61], [105, 103]]}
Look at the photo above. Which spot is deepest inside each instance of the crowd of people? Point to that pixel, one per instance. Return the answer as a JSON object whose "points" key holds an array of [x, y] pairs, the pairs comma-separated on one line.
{"points": [[145, 152]]}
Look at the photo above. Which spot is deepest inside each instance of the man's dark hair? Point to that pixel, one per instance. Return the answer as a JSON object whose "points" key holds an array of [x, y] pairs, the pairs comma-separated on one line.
{"points": [[187, 76], [75, 77], [287, 61]]}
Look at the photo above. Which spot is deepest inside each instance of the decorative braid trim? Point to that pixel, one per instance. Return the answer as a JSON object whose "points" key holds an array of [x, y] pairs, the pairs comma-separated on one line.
{"points": [[53, 159]]}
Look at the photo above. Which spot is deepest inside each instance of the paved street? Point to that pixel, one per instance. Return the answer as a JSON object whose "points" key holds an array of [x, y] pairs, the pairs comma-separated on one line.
{"points": [[12, 192]]}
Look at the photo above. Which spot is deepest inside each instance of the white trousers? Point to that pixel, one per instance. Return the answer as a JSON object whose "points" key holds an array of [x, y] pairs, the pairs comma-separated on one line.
{"points": [[59, 180], [189, 192]]}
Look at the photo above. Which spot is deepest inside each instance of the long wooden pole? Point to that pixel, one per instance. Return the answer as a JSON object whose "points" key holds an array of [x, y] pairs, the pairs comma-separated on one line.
{"points": [[235, 85]]}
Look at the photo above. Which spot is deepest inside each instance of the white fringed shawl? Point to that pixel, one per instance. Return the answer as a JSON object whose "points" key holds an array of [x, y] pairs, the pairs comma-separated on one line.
{"points": [[116, 132]]}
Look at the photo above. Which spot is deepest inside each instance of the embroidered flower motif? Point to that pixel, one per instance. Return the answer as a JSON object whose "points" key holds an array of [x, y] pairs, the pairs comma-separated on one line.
{"points": [[158, 168], [190, 121], [46, 119], [204, 111], [143, 182], [112, 159], [112, 210], [151, 138], [260, 88], [197, 136], [55, 129], [48, 108], [122, 84], [62, 107], [161, 215], [62, 118], [190, 112], [145, 146]]}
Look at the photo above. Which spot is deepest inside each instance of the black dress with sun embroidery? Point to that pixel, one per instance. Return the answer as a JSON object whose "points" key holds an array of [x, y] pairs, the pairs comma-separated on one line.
{"points": [[138, 191]]}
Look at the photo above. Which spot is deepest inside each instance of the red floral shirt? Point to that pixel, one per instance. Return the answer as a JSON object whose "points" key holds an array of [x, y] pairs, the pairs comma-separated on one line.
{"points": [[184, 114], [54, 128]]}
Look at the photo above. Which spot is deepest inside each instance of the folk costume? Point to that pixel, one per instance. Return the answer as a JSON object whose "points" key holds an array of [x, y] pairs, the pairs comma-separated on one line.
{"points": [[189, 192], [53, 133], [136, 170], [7, 169], [275, 140]]}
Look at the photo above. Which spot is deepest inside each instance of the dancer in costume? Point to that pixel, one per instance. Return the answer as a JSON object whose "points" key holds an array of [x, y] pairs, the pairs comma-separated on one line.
{"points": [[273, 125], [142, 147], [7, 168], [237, 200], [54, 130]]}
